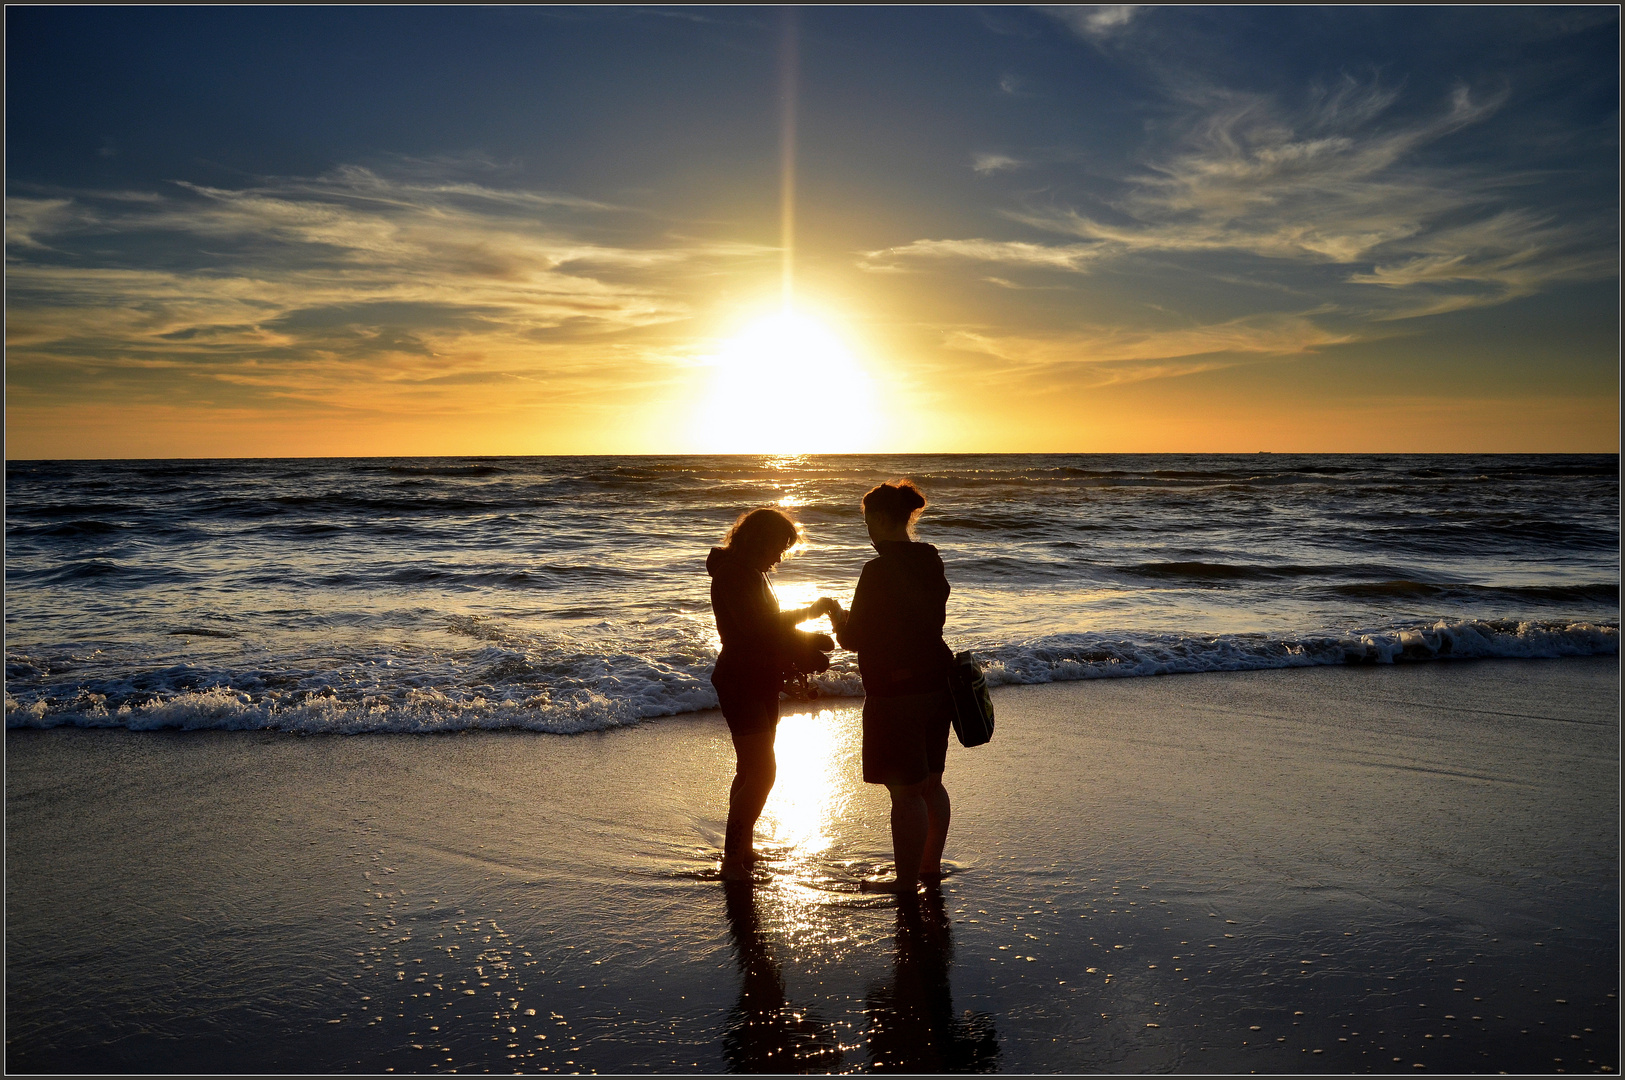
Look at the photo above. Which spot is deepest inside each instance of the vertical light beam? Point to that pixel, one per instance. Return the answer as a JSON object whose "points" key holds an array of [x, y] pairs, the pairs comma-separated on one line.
{"points": [[787, 155]]}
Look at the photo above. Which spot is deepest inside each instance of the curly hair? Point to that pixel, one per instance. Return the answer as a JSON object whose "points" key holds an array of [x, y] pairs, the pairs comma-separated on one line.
{"points": [[767, 531]]}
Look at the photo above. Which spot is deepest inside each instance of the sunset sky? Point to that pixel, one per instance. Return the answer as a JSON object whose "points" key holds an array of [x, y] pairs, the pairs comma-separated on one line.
{"points": [[292, 231]]}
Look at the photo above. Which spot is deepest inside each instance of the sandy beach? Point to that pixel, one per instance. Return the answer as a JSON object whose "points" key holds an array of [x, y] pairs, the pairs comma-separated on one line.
{"points": [[1333, 870]]}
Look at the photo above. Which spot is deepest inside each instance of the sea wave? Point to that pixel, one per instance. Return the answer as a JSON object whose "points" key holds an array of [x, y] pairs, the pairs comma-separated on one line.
{"points": [[105, 571], [72, 529], [1600, 592], [439, 470], [570, 695], [1089, 656]]}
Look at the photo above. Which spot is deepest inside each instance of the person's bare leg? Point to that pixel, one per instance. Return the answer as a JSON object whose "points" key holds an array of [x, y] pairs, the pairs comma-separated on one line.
{"points": [[937, 812], [754, 773], [908, 825]]}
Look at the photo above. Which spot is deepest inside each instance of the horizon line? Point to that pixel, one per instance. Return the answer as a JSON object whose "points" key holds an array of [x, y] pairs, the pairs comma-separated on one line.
{"points": [[858, 454]]}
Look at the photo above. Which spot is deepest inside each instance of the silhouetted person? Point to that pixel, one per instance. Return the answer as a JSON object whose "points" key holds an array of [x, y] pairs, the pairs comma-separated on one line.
{"points": [[912, 1025], [758, 643], [766, 1035], [895, 627]]}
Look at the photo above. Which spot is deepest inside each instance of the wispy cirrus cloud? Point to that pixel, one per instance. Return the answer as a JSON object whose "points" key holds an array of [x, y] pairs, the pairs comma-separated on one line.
{"points": [[992, 163], [1013, 85], [1007, 252], [1337, 182], [1512, 254], [306, 287], [1092, 21], [1327, 184], [1102, 355]]}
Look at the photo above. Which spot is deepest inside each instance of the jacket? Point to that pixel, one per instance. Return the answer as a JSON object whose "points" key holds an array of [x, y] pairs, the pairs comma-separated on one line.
{"points": [[755, 634], [895, 625]]}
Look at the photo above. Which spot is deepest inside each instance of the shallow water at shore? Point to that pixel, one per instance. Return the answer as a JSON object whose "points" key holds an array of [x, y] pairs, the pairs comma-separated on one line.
{"points": [[1329, 870]]}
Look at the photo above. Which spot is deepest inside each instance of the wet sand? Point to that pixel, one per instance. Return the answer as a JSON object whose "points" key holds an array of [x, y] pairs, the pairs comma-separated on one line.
{"points": [[1329, 870]]}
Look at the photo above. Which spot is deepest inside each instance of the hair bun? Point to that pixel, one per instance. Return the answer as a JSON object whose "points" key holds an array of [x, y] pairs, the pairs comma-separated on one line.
{"points": [[900, 499]]}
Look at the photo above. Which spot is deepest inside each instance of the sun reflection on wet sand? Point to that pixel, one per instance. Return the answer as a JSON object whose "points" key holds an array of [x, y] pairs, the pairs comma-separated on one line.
{"points": [[813, 787]]}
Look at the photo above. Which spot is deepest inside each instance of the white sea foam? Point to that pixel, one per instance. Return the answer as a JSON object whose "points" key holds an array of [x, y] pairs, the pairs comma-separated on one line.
{"points": [[418, 712], [1090, 657], [629, 693]]}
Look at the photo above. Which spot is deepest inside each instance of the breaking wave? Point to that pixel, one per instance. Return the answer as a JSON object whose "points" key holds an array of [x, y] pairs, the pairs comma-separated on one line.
{"points": [[513, 691]]}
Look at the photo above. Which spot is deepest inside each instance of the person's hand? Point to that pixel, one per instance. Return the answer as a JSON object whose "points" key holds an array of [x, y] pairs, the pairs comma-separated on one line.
{"points": [[825, 605]]}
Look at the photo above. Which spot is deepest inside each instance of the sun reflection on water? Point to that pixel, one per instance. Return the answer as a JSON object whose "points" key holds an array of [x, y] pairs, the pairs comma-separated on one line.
{"points": [[800, 594]]}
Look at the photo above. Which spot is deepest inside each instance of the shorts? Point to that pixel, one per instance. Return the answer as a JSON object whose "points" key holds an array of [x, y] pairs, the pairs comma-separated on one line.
{"points": [[750, 706], [905, 738]]}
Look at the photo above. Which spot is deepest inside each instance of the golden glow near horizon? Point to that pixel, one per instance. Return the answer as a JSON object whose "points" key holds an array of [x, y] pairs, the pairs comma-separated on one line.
{"points": [[785, 384]]}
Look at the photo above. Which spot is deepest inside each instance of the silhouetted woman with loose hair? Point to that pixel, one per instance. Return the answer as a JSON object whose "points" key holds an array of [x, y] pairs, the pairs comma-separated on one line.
{"points": [[895, 627], [756, 641]]}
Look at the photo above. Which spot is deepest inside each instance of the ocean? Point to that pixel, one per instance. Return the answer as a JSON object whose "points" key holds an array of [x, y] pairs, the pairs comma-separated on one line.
{"points": [[569, 594]]}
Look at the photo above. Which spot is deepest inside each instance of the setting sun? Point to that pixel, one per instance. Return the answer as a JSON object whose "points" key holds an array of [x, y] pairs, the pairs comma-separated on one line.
{"points": [[786, 384]]}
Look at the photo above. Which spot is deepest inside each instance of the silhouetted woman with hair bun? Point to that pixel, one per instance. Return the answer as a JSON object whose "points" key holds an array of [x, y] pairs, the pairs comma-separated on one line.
{"points": [[757, 642], [895, 627]]}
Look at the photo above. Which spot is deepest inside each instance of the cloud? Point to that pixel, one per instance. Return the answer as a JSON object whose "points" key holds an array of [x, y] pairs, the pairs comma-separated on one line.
{"points": [[1510, 255], [1336, 181], [29, 219], [1121, 354], [1008, 252], [1013, 85], [1327, 184], [303, 287], [1092, 21], [992, 163]]}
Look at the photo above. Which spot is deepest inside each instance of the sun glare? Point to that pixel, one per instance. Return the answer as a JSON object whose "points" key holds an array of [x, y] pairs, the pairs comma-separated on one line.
{"points": [[785, 384], [808, 794]]}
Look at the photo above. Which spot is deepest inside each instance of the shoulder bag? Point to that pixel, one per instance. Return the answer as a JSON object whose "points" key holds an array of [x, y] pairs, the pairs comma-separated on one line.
{"points": [[973, 706]]}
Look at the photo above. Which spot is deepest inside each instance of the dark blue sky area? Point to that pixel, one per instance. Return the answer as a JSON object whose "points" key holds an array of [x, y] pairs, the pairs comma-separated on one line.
{"points": [[618, 99]]}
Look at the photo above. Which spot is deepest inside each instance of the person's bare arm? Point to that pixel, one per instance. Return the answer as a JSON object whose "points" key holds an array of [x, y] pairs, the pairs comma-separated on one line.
{"points": [[824, 605]]}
